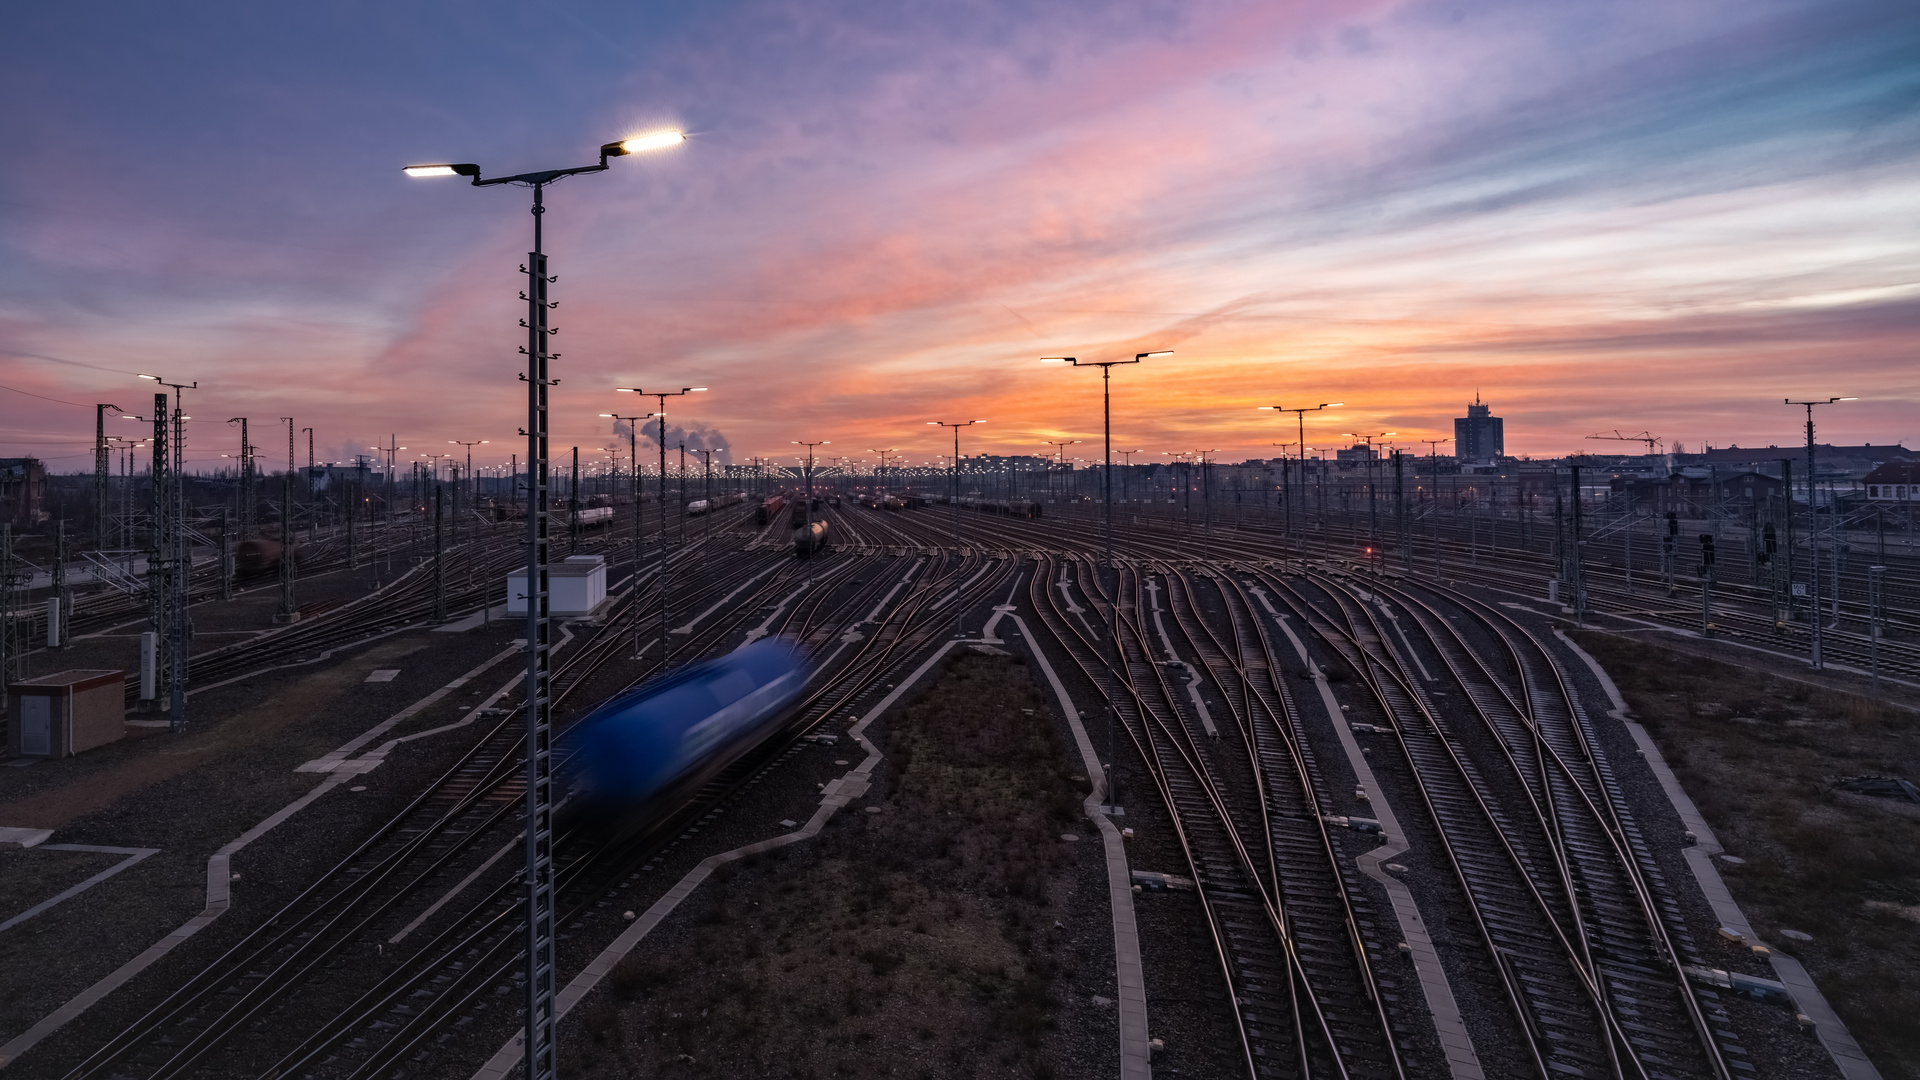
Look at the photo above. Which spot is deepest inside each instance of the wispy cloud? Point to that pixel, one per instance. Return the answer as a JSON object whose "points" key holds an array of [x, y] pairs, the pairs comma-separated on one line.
{"points": [[887, 213]]}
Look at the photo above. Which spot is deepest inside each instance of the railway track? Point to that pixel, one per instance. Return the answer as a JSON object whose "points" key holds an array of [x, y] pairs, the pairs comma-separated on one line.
{"points": [[1289, 937], [431, 893], [1576, 951]]}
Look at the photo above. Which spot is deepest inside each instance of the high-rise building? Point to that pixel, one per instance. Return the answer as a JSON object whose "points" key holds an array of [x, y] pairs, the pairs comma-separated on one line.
{"points": [[1479, 435]]}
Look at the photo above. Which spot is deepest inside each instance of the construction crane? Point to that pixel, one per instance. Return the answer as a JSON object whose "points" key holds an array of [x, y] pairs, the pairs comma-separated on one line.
{"points": [[1643, 437]]}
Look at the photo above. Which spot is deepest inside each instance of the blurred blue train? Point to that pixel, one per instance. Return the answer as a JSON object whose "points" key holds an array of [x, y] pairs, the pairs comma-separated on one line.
{"points": [[642, 752]]}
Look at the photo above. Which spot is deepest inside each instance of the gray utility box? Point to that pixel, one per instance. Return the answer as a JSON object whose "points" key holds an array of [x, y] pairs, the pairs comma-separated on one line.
{"points": [[576, 586], [62, 714]]}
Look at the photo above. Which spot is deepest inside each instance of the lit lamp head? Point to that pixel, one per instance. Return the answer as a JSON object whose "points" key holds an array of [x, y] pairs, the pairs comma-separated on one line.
{"points": [[426, 171], [640, 144]]}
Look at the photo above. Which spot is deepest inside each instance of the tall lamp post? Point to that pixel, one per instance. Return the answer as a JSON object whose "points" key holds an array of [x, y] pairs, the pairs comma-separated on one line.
{"points": [[540, 1054], [102, 474], [1300, 418], [176, 558], [806, 505], [633, 464], [473, 489], [1206, 494], [955, 507], [1126, 476], [1060, 457], [1286, 489], [877, 477], [1813, 533], [1373, 513], [1433, 520], [1106, 419], [660, 418]]}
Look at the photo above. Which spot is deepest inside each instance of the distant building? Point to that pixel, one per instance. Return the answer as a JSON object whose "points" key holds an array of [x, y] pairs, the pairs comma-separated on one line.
{"points": [[1479, 435], [23, 484], [1844, 461], [1894, 482], [1357, 452], [1694, 492]]}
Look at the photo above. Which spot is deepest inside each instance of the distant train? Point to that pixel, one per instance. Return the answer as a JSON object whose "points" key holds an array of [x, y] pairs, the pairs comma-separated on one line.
{"points": [[592, 518], [719, 502], [810, 539], [769, 510], [260, 556], [636, 755], [803, 510], [1020, 509]]}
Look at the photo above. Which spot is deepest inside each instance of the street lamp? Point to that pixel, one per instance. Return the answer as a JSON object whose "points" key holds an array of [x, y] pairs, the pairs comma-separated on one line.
{"points": [[1300, 417], [541, 1017], [1433, 519], [806, 506], [1813, 534], [633, 458], [473, 490], [1106, 418], [660, 417], [1373, 516], [1206, 494], [1060, 458], [883, 463], [956, 426], [174, 562]]}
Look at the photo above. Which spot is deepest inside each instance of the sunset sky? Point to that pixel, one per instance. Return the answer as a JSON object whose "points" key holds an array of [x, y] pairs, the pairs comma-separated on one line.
{"points": [[1633, 214]]}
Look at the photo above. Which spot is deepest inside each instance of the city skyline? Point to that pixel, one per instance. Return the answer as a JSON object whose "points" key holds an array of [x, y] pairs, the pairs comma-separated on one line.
{"points": [[884, 215]]}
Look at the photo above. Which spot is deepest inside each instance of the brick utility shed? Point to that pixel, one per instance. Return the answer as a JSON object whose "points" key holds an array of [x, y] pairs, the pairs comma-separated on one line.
{"points": [[60, 715]]}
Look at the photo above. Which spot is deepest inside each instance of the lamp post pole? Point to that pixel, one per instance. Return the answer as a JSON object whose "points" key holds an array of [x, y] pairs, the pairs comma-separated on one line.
{"points": [[1206, 496], [806, 504], [1813, 530], [473, 490], [1126, 476], [1060, 455], [1106, 421], [633, 460], [1433, 517], [660, 418], [1300, 418], [880, 472], [176, 557], [538, 876], [102, 472], [1373, 512], [955, 507]]}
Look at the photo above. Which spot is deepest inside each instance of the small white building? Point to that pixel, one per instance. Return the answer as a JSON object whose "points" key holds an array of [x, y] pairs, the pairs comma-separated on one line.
{"points": [[576, 586]]}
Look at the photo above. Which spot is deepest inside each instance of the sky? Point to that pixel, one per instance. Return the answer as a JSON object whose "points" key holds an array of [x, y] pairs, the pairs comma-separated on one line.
{"points": [[1597, 215]]}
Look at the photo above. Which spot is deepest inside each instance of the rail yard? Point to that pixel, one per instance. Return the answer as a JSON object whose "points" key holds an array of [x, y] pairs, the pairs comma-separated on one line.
{"points": [[1367, 809]]}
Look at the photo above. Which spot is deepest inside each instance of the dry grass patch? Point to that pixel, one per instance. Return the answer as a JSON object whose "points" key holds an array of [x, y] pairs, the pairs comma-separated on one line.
{"points": [[921, 941], [1759, 755]]}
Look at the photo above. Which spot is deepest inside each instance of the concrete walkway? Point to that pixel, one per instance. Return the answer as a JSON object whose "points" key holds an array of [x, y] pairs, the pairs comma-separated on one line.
{"points": [[219, 873]]}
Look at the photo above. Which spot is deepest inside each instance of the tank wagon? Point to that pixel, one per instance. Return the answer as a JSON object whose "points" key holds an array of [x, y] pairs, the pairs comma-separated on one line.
{"points": [[810, 539], [637, 755]]}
